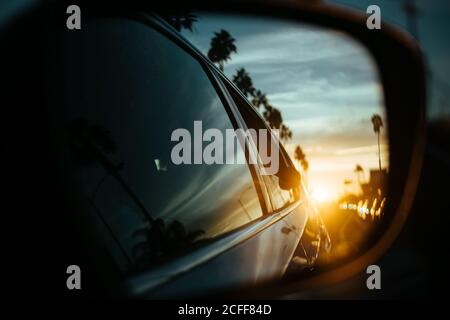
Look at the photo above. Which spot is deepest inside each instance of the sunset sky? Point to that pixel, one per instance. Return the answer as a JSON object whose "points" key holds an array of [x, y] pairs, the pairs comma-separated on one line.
{"points": [[325, 85]]}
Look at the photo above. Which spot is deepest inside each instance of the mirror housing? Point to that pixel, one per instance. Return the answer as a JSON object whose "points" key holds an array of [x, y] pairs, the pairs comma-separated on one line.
{"points": [[402, 73]]}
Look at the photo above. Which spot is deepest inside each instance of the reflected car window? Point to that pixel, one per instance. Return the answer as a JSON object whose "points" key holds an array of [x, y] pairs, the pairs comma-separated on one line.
{"points": [[280, 198], [128, 89]]}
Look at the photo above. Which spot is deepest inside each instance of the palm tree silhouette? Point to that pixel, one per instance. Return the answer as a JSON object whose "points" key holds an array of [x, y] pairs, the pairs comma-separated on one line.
{"points": [[359, 171], [259, 98], [285, 132], [300, 156], [243, 81], [377, 125], [273, 117], [181, 20], [275, 121], [222, 46]]}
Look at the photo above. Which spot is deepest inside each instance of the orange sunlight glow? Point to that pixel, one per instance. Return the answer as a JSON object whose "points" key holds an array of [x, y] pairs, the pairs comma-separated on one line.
{"points": [[322, 194]]}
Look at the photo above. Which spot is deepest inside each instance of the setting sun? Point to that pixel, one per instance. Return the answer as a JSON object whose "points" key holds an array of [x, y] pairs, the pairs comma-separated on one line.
{"points": [[321, 194]]}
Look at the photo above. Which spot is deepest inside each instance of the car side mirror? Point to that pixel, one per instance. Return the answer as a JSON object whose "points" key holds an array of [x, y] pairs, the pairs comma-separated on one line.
{"points": [[349, 102]]}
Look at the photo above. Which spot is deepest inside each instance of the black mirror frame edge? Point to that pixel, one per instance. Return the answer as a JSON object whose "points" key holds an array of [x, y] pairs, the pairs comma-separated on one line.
{"points": [[402, 72]]}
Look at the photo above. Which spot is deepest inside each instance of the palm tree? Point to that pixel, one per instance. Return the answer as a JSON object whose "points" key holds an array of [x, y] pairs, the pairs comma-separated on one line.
{"points": [[222, 46], [305, 165], [285, 132], [359, 171], [377, 125], [181, 20], [243, 81], [275, 121], [273, 117], [259, 98], [301, 158]]}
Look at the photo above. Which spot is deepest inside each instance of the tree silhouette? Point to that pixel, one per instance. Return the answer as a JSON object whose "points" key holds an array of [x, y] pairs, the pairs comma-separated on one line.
{"points": [[259, 98], [243, 81], [301, 158], [181, 20], [377, 125], [359, 171], [275, 121], [273, 117], [222, 46], [285, 132]]}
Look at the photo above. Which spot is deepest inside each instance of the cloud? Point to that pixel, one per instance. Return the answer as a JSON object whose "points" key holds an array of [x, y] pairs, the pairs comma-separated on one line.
{"points": [[325, 84], [362, 150]]}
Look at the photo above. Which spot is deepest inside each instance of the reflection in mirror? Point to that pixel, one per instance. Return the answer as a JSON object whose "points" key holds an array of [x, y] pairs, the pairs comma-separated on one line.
{"points": [[147, 208], [320, 88]]}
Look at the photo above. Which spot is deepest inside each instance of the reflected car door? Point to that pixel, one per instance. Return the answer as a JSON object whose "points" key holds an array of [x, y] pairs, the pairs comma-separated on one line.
{"points": [[258, 251], [293, 208]]}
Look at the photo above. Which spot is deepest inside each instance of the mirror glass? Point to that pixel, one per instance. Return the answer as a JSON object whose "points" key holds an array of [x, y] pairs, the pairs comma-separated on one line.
{"points": [[325, 90], [148, 123]]}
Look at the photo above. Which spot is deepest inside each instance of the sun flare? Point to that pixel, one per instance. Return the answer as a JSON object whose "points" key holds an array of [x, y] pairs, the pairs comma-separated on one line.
{"points": [[321, 194]]}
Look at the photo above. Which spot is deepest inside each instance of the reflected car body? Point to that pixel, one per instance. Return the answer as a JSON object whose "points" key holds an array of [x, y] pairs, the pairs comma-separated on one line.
{"points": [[260, 251]]}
